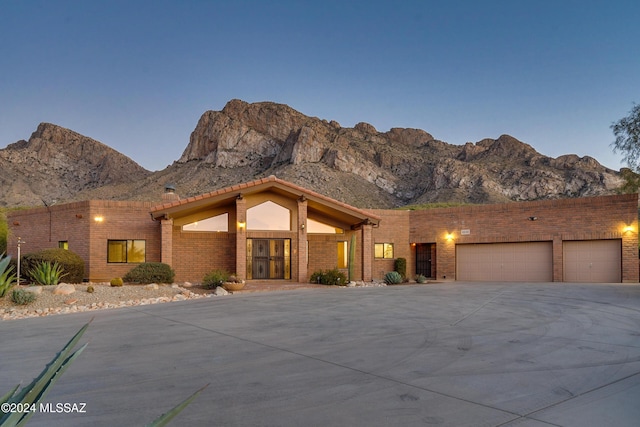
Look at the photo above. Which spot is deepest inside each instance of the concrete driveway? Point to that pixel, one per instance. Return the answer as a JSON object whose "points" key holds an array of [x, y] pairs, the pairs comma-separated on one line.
{"points": [[456, 354]]}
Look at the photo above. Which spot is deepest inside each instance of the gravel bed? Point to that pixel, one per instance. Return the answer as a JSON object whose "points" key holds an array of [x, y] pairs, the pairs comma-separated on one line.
{"points": [[104, 297]]}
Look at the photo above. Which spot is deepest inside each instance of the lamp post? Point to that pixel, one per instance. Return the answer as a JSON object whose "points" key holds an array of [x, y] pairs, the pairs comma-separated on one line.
{"points": [[20, 242]]}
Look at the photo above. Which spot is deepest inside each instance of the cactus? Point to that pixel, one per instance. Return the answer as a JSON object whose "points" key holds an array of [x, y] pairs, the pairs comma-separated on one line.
{"points": [[117, 281], [90, 289], [352, 257]]}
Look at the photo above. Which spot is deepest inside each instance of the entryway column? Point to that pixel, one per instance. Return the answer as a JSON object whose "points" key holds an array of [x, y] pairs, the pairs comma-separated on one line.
{"points": [[367, 252], [241, 238], [166, 241], [302, 241]]}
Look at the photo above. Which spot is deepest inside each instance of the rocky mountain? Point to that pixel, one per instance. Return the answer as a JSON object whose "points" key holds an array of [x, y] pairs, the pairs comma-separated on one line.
{"points": [[358, 165], [57, 164]]}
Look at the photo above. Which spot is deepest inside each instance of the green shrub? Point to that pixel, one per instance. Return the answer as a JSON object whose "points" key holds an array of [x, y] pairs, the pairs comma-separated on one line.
{"points": [[215, 278], [116, 282], [90, 289], [392, 278], [22, 297], [46, 273], [70, 262], [6, 275], [400, 265], [329, 277], [421, 279], [150, 272]]}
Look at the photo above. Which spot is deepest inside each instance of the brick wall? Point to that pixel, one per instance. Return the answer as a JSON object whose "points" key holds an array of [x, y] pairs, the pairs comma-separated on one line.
{"points": [[43, 228], [555, 221], [197, 253], [393, 228]]}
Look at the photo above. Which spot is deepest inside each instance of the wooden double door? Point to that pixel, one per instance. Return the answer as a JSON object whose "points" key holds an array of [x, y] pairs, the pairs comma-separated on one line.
{"points": [[269, 258]]}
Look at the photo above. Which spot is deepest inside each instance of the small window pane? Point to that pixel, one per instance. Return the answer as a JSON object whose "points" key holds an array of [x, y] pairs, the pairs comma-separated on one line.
{"points": [[136, 251], [317, 227], [219, 223], [117, 251], [388, 250], [342, 255], [268, 216], [63, 244], [379, 249]]}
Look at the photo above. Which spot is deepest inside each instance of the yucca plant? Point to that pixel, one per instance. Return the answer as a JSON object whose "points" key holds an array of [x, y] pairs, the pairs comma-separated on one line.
{"points": [[392, 278], [46, 273], [6, 275], [35, 392]]}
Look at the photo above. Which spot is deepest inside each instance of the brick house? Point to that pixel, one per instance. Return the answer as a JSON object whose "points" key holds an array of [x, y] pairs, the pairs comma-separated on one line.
{"points": [[273, 229]]}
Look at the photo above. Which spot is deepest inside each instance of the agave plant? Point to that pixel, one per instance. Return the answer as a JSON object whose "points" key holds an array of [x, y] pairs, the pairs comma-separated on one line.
{"points": [[46, 273], [6, 275], [35, 392]]}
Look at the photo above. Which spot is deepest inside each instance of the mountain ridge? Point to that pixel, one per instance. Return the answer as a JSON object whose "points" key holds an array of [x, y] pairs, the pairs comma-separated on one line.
{"points": [[244, 141]]}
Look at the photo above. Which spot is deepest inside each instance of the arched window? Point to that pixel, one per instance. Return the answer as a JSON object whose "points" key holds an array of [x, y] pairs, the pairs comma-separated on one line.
{"points": [[219, 223], [268, 216]]}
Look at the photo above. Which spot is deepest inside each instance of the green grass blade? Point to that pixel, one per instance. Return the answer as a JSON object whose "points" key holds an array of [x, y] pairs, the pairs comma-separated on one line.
{"points": [[163, 419], [50, 370], [9, 395]]}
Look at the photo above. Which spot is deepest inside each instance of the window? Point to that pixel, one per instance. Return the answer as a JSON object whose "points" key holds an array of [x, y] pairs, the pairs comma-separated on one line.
{"points": [[268, 216], [63, 244], [342, 255], [384, 250], [317, 227], [219, 223], [124, 251]]}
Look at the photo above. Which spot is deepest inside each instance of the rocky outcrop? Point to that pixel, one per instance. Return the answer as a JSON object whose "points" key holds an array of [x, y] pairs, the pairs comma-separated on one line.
{"points": [[359, 165], [56, 164], [407, 164]]}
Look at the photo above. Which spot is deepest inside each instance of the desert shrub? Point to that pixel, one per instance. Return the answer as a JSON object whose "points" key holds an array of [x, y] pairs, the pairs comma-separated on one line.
{"points": [[6, 275], [400, 265], [329, 277], [22, 297], [46, 273], [70, 262], [150, 272], [215, 278], [116, 282], [90, 289], [392, 278], [421, 279]]}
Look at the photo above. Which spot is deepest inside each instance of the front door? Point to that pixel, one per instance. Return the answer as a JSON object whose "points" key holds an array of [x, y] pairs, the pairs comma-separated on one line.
{"points": [[269, 258], [423, 260]]}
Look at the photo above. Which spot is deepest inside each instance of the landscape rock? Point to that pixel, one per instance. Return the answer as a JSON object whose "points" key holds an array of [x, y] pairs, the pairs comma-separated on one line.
{"points": [[220, 291], [64, 289], [152, 286], [34, 289]]}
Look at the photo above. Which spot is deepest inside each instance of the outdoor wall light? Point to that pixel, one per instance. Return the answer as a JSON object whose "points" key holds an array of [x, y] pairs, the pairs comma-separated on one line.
{"points": [[302, 226], [98, 219], [241, 224], [628, 229], [449, 237]]}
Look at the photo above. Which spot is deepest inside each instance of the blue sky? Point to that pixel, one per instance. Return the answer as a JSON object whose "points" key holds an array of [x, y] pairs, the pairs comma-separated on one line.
{"points": [[137, 75]]}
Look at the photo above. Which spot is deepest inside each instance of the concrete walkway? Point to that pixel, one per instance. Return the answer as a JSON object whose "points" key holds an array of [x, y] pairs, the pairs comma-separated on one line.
{"points": [[456, 354]]}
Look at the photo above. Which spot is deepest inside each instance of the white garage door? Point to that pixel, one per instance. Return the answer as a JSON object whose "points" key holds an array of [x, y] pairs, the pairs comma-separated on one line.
{"points": [[505, 262], [592, 261]]}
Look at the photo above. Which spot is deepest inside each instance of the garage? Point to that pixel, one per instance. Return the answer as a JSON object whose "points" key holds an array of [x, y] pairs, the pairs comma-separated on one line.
{"points": [[592, 261], [505, 262]]}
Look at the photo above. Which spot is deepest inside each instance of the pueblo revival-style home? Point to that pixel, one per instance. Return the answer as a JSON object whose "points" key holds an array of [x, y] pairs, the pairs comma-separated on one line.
{"points": [[271, 229]]}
